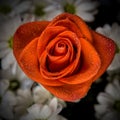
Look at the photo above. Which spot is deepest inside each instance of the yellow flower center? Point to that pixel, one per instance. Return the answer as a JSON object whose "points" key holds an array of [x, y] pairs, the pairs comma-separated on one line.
{"points": [[117, 105], [70, 8], [10, 42], [5, 9], [14, 85], [39, 10], [117, 48]]}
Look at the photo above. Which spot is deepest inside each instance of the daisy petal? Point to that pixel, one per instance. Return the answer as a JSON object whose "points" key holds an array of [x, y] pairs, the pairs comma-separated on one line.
{"points": [[45, 112], [104, 98], [111, 89]]}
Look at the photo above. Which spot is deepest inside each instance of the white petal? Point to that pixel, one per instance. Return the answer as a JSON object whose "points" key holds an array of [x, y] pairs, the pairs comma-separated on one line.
{"points": [[19, 73], [35, 110], [26, 83], [115, 63], [5, 74], [51, 15], [24, 97], [42, 2], [10, 98], [49, 8], [116, 82], [88, 6], [4, 31], [15, 23], [77, 3], [3, 45], [70, 1], [88, 17], [116, 30], [45, 112], [101, 109], [4, 84], [28, 17], [100, 30], [40, 94], [111, 89], [63, 103], [111, 116], [107, 29], [4, 52], [22, 7], [9, 27], [7, 61], [53, 104], [14, 67], [104, 98]]}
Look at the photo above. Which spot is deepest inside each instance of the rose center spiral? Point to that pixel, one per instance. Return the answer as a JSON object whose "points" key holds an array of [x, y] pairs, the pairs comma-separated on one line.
{"points": [[60, 48]]}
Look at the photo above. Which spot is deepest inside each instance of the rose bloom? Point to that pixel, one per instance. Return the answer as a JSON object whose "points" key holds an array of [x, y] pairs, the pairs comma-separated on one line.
{"points": [[64, 55]]}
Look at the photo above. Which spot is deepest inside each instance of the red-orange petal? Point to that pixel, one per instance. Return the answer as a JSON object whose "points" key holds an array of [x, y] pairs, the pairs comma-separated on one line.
{"points": [[70, 92], [25, 39], [29, 63], [73, 87], [90, 64], [106, 49], [77, 21], [25, 34], [49, 34]]}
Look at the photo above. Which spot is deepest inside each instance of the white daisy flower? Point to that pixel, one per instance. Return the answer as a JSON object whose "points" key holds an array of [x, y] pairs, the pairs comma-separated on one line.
{"points": [[15, 94], [14, 7], [86, 9], [15, 81], [48, 111], [112, 32], [15, 104], [109, 102], [44, 9], [48, 9], [7, 31]]}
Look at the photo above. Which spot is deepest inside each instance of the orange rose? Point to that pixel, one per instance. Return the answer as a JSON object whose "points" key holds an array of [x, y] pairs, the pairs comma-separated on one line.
{"points": [[63, 55]]}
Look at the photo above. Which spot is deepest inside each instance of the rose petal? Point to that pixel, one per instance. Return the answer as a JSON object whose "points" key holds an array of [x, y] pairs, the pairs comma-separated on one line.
{"points": [[29, 63], [73, 65], [90, 66], [70, 92], [51, 33], [74, 19], [70, 25], [25, 34], [93, 55], [23, 42], [106, 49]]}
